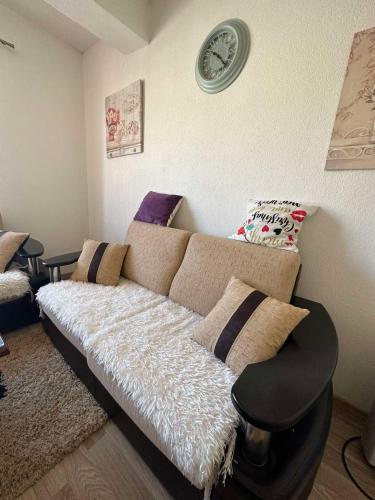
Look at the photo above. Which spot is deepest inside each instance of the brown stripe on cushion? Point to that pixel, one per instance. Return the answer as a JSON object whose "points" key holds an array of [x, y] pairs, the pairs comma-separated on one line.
{"points": [[236, 323], [95, 262]]}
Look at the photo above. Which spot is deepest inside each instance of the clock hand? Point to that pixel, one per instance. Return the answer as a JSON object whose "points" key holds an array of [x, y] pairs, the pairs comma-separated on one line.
{"points": [[219, 57]]}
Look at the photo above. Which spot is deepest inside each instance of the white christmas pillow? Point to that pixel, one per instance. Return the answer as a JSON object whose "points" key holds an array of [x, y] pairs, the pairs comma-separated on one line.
{"points": [[274, 223]]}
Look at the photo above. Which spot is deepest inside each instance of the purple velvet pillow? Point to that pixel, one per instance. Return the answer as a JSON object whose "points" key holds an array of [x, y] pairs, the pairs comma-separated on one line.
{"points": [[158, 208]]}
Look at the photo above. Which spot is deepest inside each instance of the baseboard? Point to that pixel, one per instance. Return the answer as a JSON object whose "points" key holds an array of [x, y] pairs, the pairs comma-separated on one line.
{"points": [[350, 406]]}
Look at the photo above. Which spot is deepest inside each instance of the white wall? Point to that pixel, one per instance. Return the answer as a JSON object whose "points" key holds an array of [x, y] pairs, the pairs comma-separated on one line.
{"points": [[266, 136], [133, 13], [43, 186]]}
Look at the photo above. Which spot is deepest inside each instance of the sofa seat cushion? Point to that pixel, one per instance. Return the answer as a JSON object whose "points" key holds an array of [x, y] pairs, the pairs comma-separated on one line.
{"points": [[80, 309], [13, 285], [141, 343], [64, 330], [125, 402]]}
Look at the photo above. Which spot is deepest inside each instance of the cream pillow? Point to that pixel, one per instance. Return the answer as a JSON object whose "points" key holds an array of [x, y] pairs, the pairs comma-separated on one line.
{"points": [[9, 244], [246, 326], [100, 263]]}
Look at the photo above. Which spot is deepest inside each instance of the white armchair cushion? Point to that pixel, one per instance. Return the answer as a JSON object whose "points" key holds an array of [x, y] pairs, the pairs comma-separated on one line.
{"points": [[13, 284]]}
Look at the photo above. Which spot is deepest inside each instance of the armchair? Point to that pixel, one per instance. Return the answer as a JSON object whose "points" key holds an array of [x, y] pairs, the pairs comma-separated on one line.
{"points": [[20, 309]]}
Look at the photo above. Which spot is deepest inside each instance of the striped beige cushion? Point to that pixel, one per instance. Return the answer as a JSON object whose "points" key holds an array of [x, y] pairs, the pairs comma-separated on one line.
{"points": [[9, 244], [100, 262], [246, 326]]}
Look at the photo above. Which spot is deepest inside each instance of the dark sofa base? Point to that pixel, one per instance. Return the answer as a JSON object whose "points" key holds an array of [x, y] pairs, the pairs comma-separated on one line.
{"points": [[289, 474], [18, 313]]}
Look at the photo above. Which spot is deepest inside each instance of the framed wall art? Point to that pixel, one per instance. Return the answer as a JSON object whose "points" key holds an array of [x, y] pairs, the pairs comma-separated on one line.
{"points": [[124, 121], [353, 138]]}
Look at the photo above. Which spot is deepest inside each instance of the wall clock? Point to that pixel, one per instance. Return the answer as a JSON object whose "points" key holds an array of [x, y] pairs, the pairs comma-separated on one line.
{"points": [[222, 56]]}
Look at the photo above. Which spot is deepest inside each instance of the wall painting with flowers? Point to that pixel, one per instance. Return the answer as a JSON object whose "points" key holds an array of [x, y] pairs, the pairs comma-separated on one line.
{"points": [[124, 121], [353, 137]]}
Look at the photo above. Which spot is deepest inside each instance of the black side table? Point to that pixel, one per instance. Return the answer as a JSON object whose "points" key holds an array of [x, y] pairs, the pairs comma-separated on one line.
{"points": [[29, 253]]}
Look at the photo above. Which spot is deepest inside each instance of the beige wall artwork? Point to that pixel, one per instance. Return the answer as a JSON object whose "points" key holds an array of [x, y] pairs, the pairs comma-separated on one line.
{"points": [[124, 121], [353, 137]]}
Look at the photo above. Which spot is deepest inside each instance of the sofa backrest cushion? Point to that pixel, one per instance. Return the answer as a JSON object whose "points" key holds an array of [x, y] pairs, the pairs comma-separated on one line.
{"points": [[210, 262], [155, 253]]}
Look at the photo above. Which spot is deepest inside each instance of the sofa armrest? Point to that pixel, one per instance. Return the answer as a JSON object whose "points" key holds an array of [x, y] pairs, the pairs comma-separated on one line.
{"points": [[62, 260], [275, 394], [54, 264]]}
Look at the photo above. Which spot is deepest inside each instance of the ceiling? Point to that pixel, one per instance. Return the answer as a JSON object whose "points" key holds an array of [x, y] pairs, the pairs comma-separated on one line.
{"points": [[123, 24], [54, 22]]}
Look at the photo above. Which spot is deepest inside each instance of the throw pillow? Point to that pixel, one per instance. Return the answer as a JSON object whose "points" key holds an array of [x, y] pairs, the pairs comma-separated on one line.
{"points": [[274, 223], [9, 244], [246, 326], [100, 263], [158, 208]]}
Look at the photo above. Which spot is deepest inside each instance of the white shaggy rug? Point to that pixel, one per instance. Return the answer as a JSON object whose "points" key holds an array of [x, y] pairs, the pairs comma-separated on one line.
{"points": [[13, 284], [144, 341]]}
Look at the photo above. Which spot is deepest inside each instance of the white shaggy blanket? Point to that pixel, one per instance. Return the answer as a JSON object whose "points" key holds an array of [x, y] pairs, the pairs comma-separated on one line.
{"points": [[13, 284], [144, 342]]}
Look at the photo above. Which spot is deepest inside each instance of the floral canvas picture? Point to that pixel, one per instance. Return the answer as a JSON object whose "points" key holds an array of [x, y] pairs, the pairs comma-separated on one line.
{"points": [[353, 137], [123, 117]]}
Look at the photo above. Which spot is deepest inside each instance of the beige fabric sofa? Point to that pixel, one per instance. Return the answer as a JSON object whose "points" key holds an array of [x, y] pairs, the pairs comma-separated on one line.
{"points": [[184, 273], [171, 280]]}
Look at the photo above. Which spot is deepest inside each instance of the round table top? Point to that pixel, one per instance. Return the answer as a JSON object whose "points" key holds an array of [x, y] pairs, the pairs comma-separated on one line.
{"points": [[32, 248]]}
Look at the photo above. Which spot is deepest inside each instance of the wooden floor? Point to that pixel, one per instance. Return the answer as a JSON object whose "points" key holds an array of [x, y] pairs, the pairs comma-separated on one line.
{"points": [[332, 481], [106, 467]]}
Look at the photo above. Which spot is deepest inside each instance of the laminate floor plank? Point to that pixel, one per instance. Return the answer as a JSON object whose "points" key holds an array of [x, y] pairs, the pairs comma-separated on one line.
{"points": [[107, 467], [332, 481]]}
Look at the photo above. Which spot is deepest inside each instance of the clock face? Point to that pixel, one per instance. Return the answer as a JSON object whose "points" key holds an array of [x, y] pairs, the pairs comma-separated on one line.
{"points": [[222, 56], [218, 54]]}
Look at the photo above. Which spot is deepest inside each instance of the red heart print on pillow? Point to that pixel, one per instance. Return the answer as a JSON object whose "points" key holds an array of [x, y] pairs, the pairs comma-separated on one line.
{"points": [[299, 215]]}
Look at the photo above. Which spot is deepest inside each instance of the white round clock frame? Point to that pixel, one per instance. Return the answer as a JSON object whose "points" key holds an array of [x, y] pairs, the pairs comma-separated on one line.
{"points": [[222, 55]]}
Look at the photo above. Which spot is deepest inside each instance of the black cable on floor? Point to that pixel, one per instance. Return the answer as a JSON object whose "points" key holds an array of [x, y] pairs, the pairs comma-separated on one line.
{"points": [[356, 438]]}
